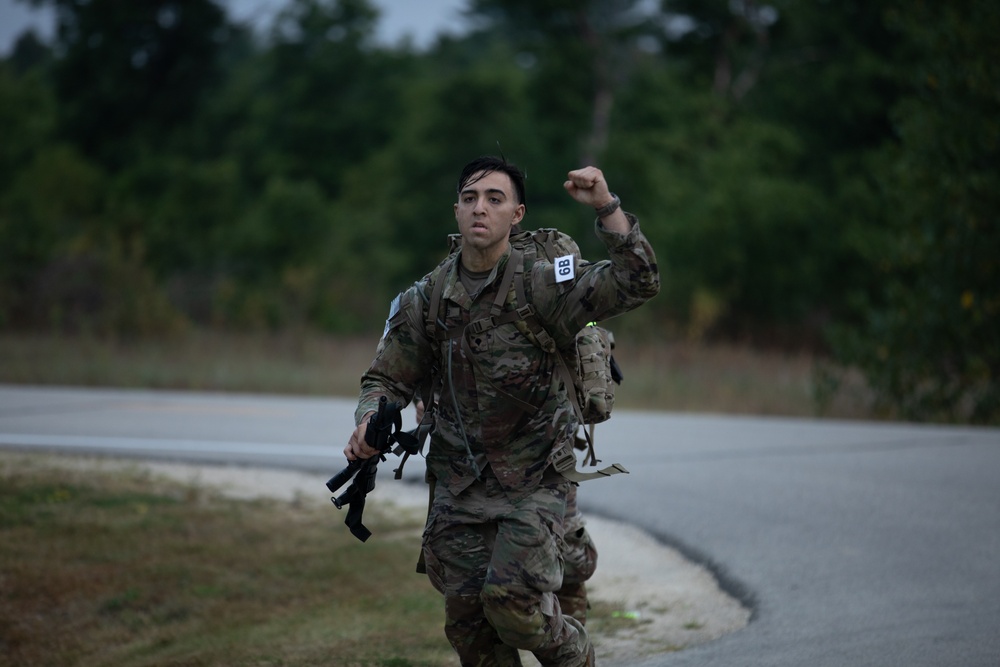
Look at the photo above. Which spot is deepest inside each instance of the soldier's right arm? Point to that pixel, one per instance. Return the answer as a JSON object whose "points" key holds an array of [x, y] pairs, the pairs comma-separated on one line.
{"points": [[403, 359]]}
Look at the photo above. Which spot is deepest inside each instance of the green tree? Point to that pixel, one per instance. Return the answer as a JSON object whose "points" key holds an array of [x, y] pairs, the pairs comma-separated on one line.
{"points": [[929, 346], [27, 119], [61, 266], [577, 59], [759, 122], [736, 232], [29, 52], [323, 98], [129, 74], [447, 116]]}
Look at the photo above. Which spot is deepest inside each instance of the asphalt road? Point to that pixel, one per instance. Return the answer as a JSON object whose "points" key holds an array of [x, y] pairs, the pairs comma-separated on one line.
{"points": [[854, 543]]}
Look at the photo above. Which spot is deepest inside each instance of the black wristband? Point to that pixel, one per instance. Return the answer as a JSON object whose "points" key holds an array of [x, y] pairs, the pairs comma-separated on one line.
{"points": [[610, 208]]}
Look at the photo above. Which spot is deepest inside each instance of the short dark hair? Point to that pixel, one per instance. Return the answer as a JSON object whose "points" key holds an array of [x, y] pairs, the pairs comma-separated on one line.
{"points": [[488, 164]]}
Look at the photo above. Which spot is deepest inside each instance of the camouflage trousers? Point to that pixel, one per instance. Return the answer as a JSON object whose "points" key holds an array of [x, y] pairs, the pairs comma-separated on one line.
{"points": [[498, 564], [580, 561]]}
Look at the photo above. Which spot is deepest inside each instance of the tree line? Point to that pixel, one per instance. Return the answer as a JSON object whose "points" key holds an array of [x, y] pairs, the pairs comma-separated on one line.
{"points": [[809, 172]]}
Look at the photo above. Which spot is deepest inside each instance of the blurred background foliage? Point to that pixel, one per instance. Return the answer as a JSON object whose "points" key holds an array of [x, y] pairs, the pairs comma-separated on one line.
{"points": [[813, 175]]}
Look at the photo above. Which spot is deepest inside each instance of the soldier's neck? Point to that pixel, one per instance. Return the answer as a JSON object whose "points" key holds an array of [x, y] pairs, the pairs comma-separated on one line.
{"points": [[482, 259]]}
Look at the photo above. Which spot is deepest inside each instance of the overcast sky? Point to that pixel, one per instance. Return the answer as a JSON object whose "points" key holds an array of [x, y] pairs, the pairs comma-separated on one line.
{"points": [[421, 19]]}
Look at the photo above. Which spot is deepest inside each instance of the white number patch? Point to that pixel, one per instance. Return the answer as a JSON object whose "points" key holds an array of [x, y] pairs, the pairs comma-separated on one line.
{"points": [[565, 268]]}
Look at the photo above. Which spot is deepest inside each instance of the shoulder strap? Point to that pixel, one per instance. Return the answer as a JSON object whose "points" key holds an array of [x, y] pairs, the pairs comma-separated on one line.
{"points": [[547, 343], [513, 266], [427, 391], [437, 277]]}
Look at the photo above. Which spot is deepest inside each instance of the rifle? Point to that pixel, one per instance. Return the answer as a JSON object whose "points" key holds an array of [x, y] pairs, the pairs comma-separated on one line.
{"points": [[383, 432]]}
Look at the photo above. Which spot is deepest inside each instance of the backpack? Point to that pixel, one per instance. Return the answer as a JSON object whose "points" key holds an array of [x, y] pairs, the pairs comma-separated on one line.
{"points": [[586, 365], [590, 358]]}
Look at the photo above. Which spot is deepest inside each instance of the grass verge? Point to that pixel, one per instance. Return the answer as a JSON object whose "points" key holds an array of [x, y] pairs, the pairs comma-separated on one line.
{"points": [[120, 568], [673, 376]]}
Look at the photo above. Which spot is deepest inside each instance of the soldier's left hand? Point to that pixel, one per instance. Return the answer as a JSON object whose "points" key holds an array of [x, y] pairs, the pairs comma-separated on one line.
{"points": [[588, 186]]}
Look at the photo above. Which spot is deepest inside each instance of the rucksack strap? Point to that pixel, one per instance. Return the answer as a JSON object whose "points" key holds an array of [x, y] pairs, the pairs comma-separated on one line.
{"points": [[434, 307], [497, 315], [430, 387], [513, 265], [547, 343], [568, 379], [565, 464]]}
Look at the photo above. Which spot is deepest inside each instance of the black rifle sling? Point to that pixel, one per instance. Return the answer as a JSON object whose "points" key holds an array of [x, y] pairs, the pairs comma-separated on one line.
{"points": [[384, 431], [355, 510]]}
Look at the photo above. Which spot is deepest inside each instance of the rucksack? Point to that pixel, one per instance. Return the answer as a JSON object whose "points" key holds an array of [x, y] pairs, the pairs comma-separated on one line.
{"points": [[587, 364], [595, 373]]}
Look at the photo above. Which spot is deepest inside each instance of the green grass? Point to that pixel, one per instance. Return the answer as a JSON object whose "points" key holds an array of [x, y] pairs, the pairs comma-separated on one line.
{"points": [[101, 568], [672, 375], [201, 360], [111, 566]]}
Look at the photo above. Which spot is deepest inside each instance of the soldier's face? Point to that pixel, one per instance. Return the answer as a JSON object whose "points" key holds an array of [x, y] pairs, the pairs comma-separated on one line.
{"points": [[486, 210]]}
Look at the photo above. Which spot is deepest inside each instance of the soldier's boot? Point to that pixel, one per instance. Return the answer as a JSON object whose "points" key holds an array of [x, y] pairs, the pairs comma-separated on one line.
{"points": [[575, 651]]}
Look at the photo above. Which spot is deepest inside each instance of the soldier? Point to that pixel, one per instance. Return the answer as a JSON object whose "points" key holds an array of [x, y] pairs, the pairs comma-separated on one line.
{"points": [[502, 431]]}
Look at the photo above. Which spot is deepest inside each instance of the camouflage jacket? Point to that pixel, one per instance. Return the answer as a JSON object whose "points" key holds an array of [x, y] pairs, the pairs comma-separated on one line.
{"points": [[500, 400]]}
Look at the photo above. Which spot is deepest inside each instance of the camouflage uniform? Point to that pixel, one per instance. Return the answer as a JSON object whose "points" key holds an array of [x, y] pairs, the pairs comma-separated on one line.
{"points": [[496, 527], [580, 561]]}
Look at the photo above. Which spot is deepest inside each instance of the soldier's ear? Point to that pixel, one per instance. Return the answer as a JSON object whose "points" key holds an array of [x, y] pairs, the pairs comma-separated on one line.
{"points": [[519, 213]]}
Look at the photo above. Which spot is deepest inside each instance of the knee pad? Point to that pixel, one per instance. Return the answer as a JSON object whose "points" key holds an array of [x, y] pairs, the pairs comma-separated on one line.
{"points": [[519, 618]]}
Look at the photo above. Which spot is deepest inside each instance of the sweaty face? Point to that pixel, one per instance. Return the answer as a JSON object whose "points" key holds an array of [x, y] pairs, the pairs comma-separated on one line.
{"points": [[486, 210]]}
